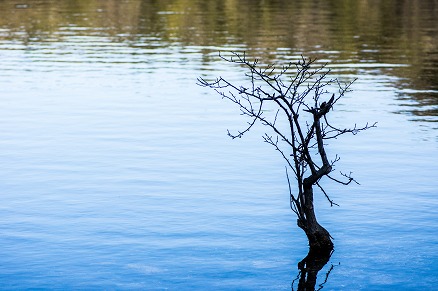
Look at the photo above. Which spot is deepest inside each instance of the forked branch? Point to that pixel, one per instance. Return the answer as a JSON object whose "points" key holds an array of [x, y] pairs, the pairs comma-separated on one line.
{"points": [[294, 102]]}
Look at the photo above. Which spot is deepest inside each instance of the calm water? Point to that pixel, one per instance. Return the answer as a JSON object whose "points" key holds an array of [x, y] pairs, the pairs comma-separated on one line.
{"points": [[116, 171]]}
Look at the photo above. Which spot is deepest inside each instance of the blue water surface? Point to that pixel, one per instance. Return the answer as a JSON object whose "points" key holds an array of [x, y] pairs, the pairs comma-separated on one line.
{"points": [[117, 173]]}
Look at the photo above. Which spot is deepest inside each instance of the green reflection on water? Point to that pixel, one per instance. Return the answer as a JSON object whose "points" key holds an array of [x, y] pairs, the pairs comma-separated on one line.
{"points": [[346, 32]]}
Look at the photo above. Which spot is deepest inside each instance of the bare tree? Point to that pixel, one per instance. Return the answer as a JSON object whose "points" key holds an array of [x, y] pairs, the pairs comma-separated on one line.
{"points": [[293, 102]]}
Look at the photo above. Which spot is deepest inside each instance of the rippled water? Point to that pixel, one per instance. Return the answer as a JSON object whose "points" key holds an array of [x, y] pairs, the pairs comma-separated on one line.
{"points": [[117, 172]]}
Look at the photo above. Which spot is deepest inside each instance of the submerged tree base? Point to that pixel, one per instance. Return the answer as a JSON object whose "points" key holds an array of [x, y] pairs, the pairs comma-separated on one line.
{"points": [[309, 267], [320, 244], [320, 250], [320, 240]]}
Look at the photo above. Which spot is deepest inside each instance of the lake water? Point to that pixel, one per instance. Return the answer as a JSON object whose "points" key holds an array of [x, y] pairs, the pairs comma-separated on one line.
{"points": [[117, 173]]}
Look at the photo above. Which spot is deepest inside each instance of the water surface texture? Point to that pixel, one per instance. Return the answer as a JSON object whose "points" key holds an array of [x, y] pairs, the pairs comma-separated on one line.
{"points": [[116, 171]]}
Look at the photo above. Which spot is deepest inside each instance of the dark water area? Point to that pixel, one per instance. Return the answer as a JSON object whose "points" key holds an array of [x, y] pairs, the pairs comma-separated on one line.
{"points": [[117, 172]]}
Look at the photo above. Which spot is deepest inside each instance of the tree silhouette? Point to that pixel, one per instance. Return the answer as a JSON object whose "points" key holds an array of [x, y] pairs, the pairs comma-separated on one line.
{"points": [[294, 102]]}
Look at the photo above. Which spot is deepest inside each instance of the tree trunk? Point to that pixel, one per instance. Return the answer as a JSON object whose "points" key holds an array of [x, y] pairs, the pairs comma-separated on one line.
{"points": [[320, 242]]}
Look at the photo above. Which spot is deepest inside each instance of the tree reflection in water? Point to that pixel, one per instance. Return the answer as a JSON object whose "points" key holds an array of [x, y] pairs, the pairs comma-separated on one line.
{"points": [[308, 271]]}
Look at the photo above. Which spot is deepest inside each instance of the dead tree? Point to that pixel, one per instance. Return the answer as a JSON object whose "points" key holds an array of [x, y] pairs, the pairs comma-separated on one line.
{"points": [[293, 102]]}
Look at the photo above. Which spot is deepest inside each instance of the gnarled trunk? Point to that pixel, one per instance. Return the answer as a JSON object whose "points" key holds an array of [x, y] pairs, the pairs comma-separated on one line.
{"points": [[319, 238], [320, 244]]}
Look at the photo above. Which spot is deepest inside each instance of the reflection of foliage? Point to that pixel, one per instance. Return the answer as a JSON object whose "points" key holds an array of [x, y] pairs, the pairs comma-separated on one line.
{"points": [[353, 30], [219, 22]]}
